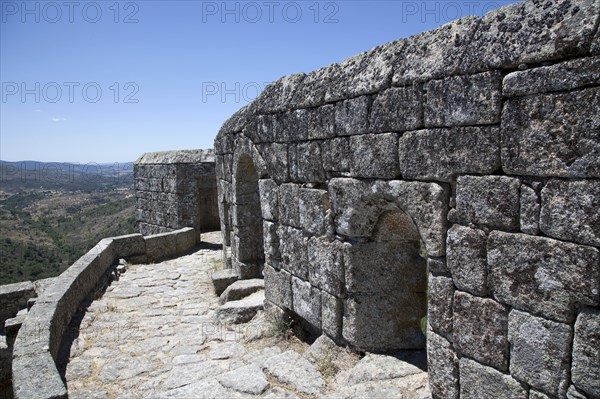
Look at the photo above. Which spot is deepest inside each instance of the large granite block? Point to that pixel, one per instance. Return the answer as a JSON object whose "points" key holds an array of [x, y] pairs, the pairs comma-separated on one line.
{"points": [[540, 352], [464, 100], [541, 275], [552, 135], [442, 154]]}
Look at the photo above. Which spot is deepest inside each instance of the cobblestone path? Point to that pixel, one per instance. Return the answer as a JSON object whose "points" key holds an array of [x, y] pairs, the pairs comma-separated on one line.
{"points": [[153, 335]]}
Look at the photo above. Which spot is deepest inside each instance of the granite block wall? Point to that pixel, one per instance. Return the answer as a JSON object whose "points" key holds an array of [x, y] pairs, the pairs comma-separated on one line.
{"points": [[454, 174], [176, 189]]}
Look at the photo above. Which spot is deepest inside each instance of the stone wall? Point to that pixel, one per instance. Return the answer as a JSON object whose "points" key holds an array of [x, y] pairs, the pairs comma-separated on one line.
{"points": [[453, 174], [176, 189]]}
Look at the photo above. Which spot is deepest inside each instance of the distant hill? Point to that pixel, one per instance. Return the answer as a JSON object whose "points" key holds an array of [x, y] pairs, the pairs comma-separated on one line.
{"points": [[52, 213], [15, 176]]}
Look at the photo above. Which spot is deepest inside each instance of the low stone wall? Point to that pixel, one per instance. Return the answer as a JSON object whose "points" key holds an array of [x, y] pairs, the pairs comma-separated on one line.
{"points": [[453, 174], [14, 297], [176, 189], [34, 371]]}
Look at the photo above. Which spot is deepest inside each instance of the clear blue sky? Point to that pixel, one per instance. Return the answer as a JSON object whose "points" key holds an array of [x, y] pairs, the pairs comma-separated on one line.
{"points": [[171, 72]]}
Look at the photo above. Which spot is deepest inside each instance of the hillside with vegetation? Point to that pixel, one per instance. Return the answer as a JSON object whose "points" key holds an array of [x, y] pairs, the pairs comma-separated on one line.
{"points": [[48, 220]]}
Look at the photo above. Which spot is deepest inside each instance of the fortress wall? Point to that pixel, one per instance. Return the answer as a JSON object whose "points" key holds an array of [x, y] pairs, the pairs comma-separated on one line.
{"points": [[176, 189], [34, 369], [454, 174]]}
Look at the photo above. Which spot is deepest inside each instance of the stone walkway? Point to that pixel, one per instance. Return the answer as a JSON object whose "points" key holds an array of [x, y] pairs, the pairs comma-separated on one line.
{"points": [[153, 335]]}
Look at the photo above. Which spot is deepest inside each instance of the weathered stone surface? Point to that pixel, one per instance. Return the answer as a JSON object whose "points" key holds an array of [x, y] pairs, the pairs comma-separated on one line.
{"points": [[241, 289], [313, 205], [259, 356], [278, 287], [480, 330], [249, 379], [311, 93], [266, 128], [570, 211], [567, 124], [439, 306], [160, 246], [464, 100], [241, 311], [291, 368], [321, 122], [332, 309], [279, 393], [586, 352], [226, 350], [542, 275], [305, 162], [322, 349], [530, 211], [442, 154], [288, 205], [276, 159], [222, 279], [293, 248], [540, 352], [46, 384], [595, 48], [185, 375], [530, 33], [410, 387], [374, 367], [566, 75], [478, 381], [352, 116], [466, 258], [538, 395], [269, 199], [123, 368], [271, 244], [442, 366], [435, 53], [374, 156], [437, 265], [363, 329], [397, 110], [357, 206], [573, 393], [491, 201], [306, 301], [292, 126], [336, 154], [326, 265], [365, 73], [277, 96]]}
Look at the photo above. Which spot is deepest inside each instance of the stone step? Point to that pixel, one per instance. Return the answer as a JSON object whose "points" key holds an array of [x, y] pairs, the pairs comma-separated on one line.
{"points": [[223, 279], [241, 289], [241, 311]]}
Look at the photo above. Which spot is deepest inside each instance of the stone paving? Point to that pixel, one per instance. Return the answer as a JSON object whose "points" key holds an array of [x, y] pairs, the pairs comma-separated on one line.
{"points": [[153, 334]]}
